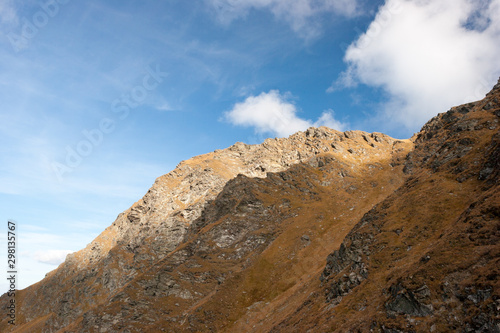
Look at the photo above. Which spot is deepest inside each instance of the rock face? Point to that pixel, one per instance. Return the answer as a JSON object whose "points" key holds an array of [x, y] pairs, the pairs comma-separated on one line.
{"points": [[237, 240], [427, 257]]}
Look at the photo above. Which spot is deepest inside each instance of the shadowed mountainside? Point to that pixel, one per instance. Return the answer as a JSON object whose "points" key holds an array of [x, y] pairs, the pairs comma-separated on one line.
{"points": [[237, 240]]}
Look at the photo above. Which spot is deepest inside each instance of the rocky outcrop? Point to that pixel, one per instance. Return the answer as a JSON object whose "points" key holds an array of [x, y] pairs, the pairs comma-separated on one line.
{"points": [[176, 207], [236, 240], [425, 258], [346, 267], [408, 302]]}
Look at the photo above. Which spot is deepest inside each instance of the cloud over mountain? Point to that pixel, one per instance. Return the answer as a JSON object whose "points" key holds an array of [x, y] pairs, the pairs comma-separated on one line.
{"points": [[53, 257], [272, 112], [426, 55]]}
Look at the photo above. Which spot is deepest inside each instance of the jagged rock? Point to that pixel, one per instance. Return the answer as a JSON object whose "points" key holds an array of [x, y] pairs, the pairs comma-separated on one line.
{"points": [[403, 301], [235, 240], [456, 142]]}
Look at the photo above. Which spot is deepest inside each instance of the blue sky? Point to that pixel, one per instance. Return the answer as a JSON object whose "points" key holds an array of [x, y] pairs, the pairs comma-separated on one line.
{"points": [[98, 98]]}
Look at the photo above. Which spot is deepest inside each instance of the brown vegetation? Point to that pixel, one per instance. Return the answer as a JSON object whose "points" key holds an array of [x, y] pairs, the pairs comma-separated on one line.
{"points": [[323, 231]]}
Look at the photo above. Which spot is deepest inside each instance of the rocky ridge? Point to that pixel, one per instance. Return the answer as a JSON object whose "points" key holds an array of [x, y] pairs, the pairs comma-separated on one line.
{"points": [[155, 225], [427, 257], [236, 240]]}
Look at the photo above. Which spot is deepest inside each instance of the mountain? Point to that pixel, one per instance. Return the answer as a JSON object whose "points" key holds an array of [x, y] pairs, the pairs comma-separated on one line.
{"points": [[322, 231]]}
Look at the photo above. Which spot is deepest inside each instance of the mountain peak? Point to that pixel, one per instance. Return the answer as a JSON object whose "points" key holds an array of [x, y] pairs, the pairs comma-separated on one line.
{"points": [[320, 231]]}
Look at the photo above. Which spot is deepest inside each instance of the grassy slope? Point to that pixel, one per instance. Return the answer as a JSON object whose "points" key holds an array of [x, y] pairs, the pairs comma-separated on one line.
{"points": [[440, 230], [229, 289]]}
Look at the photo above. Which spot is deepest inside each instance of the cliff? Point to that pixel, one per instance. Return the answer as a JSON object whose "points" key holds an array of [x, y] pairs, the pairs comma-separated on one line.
{"points": [[321, 231]]}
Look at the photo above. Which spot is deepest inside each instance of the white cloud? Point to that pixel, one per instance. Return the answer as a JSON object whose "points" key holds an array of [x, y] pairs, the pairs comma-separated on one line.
{"points": [[41, 252], [52, 257], [327, 119], [427, 55], [273, 113], [301, 15]]}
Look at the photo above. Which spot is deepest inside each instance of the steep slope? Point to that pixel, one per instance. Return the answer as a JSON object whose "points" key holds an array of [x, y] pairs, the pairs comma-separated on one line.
{"points": [[427, 258], [152, 228], [323, 231], [258, 240]]}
